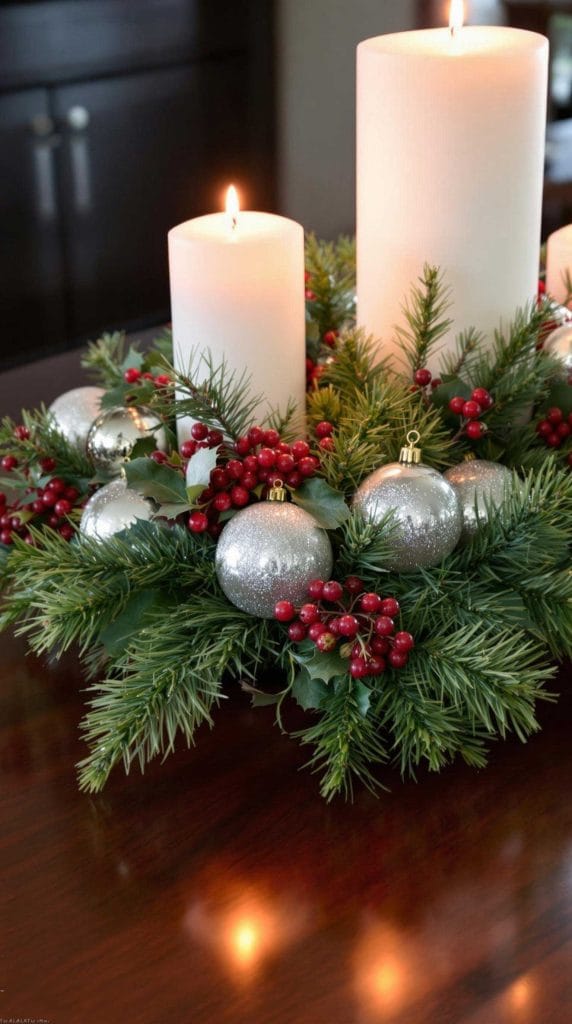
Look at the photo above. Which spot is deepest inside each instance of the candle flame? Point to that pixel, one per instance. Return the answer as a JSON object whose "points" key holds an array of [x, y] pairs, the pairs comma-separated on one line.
{"points": [[232, 206], [456, 16]]}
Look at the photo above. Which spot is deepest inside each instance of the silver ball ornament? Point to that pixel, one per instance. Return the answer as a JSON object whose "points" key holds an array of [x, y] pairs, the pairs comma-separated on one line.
{"points": [[113, 434], [559, 345], [74, 412], [478, 482], [111, 509], [426, 508], [269, 552]]}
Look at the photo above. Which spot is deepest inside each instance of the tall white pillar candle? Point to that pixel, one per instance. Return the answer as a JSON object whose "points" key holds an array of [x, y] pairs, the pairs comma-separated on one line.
{"points": [[559, 263], [450, 151], [237, 290]]}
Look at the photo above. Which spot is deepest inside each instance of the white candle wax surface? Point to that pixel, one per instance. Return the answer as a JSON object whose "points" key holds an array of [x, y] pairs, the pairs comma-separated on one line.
{"points": [[450, 152], [559, 263], [239, 293]]}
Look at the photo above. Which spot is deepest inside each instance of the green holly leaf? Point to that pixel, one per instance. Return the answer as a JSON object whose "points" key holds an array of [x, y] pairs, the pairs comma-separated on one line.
{"points": [[165, 485], [561, 397], [325, 666], [308, 693], [362, 694], [324, 503], [260, 699], [139, 608], [450, 388], [200, 467], [133, 360], [143, 446]]}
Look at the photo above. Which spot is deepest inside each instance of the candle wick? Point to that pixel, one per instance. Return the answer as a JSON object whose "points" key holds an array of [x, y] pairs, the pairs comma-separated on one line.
{"points": [[453, 31], [234, 221]]}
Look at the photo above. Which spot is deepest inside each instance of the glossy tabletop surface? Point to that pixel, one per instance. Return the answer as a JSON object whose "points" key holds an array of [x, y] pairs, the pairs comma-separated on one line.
{"points": [[221, 889]]}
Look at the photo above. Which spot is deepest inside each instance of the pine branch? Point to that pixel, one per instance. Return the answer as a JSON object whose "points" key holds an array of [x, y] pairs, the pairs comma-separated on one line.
{"points": [[104, 358], [45, 441], [331, 270], [425, 312]]}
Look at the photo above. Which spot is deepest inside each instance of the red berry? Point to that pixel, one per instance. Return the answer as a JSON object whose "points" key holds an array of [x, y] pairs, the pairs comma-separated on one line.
{"points": [[148, 376], [475, 430], [471, 410], [436, 382], [266, 458], [197, 522], [482, 397], [3, 498], [242, 446], [300, 449], [309, 613], [456, 405], [5, 521], [308, 465], [348, 626], [375, 665], [53, 521], [403, 641], [554, 416], [162, 380], [215, 530], [379, 644], [262, 475], [62, 507], [214, 438], [544, 428], [334, 625], [131, 375], [384, 625], [316, 589], [47, 465], [353, 585], [389, 606], [255, 436], [8, 463], [326, 641], [309, 295], [222, 501], [159, 457], [370, 603], [271, 438], [294, 479], [569, 458], [285, 463], [239, 496], [284, 611], [199, 431], [5, 537], [249, 481], [219, 479], [324, 429], [398, 659], [333, 591], [37, 507], [67, 531], [422, 377], [563, 430], [235, 469], [283, 448], [72, 494], [56, 484], [327, 444], [554, 441], [297, 631], [358, 668], [49, 498], [330, 338], [250, 464], [316, 629], [21, 433]]}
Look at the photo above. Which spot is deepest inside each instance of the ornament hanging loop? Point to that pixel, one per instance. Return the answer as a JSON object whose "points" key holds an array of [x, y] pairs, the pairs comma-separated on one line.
{"points": [[277, 492], [410, 455]]}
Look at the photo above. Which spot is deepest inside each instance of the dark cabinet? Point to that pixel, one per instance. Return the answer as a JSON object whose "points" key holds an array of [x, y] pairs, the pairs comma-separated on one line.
{"points": [[105, 156]]}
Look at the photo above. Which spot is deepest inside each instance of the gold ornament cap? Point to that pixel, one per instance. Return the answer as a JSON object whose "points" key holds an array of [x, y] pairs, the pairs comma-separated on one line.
{"points": [[469, 457], [411, 455], [277, 492]]}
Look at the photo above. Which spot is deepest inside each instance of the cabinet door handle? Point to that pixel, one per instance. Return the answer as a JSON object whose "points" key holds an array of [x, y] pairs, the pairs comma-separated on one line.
{"points": [[42, 126], [78, 118]]}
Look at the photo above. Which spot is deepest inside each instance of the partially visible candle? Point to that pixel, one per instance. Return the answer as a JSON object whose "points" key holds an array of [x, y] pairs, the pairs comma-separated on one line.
{"points": [[450, 147], [237, 289], [559, 263]]}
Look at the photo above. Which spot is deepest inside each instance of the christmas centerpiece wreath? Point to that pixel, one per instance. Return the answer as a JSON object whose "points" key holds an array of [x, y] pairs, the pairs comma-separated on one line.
{"points": [[402, 572]]}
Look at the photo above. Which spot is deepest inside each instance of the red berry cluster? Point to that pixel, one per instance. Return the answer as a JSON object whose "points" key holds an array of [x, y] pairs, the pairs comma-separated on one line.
{"points": [[470, 410], [135, 376], [363, 624], [423, 378], [49, 505], [257, 461], [555, 428]]}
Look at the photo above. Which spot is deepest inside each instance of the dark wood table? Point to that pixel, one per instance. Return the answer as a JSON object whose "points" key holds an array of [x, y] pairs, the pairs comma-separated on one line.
{"points": [[220, 888]]}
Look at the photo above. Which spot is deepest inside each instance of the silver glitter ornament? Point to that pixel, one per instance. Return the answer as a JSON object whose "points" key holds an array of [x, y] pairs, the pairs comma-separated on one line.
{"points": [[115, 431], [74, 412], [427, 510], [269, 552], [111, 509], [559, 345], [477, 482]]}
